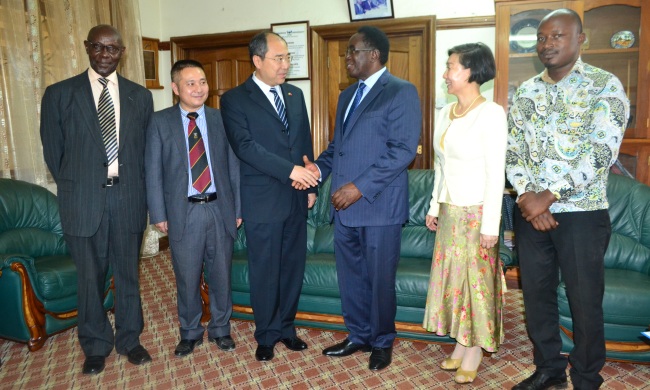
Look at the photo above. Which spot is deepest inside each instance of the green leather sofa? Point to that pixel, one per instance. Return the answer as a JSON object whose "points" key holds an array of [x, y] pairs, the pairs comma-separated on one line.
{"points": [[320, 303], [38, 279], [626, 303]]}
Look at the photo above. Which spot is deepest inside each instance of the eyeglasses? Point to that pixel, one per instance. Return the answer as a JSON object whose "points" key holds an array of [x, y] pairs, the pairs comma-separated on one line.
{"points": [[280, 59], [98, 48], [352, 50]]}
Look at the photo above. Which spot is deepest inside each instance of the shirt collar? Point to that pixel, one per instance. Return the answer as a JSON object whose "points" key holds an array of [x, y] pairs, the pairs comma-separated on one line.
{"points": [[94, 76], [264, 86], [371, 80], [578, 67], [200, 111]]}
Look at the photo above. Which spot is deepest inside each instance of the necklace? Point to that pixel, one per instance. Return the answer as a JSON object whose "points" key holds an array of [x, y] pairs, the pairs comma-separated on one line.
{"points": [[465, 112]]}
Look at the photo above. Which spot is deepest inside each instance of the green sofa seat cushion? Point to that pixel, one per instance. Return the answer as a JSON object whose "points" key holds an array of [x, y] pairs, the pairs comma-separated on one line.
{"points": [[626, 300], [56, 277]]}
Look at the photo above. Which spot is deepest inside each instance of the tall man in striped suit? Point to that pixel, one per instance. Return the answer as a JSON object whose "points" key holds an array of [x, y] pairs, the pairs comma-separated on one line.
{"points": [[93, 133]]}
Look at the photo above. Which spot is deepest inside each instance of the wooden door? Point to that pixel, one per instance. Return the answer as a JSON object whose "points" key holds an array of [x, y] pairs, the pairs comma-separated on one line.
{"points": [[224, 58], [225, 68], [410, 58]]}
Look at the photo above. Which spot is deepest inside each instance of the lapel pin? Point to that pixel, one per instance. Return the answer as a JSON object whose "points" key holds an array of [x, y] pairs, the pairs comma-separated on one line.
{"points": [[289, 94]]}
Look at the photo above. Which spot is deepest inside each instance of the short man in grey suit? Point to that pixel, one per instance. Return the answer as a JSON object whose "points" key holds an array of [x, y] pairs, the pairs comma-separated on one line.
{"points": [[193, 196], [378, 124], [93, 133]]}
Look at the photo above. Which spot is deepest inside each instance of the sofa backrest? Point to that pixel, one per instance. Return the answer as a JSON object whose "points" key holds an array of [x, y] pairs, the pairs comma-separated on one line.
{"points": [[629, 211], [29, 220], [417, 240]]}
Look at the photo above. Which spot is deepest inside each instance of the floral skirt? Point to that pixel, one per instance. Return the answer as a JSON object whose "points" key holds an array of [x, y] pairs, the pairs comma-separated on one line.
{"points": [[465, 298]]}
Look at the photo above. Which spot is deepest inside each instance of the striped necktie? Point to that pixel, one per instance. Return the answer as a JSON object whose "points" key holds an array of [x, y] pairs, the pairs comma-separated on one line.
{"points": [[198, 159], [106, 113], [279, 106]]}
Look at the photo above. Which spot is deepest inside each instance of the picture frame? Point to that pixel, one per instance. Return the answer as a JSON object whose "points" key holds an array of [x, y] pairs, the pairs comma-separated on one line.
{"points": [[150, 57], [370, 9], [296, 34]]}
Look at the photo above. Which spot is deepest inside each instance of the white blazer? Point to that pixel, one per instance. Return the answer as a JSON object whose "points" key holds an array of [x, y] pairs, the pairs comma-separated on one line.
{"points": [[470, 165]]}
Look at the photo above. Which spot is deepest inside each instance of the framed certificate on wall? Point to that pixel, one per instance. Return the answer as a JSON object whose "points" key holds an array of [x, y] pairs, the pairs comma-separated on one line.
{"points": [[297, 36]]}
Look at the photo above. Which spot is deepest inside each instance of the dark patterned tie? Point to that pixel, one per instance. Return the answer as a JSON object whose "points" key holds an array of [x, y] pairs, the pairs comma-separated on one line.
{"points": [[198, 159], [106, 113], [282, 112], [355, 104]]}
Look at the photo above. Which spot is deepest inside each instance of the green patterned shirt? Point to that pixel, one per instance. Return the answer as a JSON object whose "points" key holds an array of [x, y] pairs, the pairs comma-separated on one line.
{"points": [[564, 136]]}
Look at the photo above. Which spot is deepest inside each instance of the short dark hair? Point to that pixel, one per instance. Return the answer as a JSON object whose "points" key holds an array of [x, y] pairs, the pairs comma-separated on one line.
{"points": [[258, 45], [565, 12], [478, 58], [374, 38], [182, 64]]}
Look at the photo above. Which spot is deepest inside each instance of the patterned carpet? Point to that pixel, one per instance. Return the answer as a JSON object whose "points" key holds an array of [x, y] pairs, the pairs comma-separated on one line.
{"points": [[415, 365]]}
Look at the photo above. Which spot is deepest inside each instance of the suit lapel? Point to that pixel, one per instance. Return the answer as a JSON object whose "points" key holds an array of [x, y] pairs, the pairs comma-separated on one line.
{"points": [[84, 98], [293, 108], [372, 94], [260, 98], [127, 109], [178, 133]]}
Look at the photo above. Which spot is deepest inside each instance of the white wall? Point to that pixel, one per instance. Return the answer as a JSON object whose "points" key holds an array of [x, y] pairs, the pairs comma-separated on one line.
{"points": [[164, 19]]}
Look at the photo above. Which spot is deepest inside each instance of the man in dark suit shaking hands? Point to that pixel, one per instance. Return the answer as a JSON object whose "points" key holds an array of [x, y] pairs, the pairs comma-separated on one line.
{"points": [[193, 195], [93, 133], [268, 128], [378, 124]]}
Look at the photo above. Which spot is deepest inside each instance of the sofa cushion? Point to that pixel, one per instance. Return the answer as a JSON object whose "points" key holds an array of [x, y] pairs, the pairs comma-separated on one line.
{"points": [[32, 242], [56, 276], [626, 300]]}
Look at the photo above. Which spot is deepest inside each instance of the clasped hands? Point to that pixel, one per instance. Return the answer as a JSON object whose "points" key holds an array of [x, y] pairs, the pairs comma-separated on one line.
{"points": [[534, 208], [342, 198]]}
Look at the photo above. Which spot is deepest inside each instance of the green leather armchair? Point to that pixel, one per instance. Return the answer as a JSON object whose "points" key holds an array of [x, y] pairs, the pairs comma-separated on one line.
{"points": [[38, 278]]}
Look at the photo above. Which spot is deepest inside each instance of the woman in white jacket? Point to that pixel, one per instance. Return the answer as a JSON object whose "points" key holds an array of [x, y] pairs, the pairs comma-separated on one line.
{"points": [[465, 297]]}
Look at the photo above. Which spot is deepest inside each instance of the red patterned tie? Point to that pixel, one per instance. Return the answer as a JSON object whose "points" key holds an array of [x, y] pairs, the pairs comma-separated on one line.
{"points": [[198, 159]]}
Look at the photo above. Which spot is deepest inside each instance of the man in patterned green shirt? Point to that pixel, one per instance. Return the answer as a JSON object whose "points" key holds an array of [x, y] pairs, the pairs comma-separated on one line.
{"points": [[565, 129]]}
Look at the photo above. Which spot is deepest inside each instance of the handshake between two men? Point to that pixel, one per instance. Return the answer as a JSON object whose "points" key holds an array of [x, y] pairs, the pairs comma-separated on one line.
{"points": [[309, 175]]}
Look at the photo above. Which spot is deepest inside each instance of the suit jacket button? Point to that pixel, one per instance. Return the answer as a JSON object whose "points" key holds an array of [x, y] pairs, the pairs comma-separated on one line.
{"points": [[105, 164], [103, 185], [340, 153]]}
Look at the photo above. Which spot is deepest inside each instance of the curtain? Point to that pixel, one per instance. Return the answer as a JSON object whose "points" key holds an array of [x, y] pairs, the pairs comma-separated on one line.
{"points": [[41, 42]]}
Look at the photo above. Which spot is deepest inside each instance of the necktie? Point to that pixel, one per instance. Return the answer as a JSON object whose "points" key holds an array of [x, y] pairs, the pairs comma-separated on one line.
{"points": [[282, 112], [198, 159], [355, 104], [106, 113]]}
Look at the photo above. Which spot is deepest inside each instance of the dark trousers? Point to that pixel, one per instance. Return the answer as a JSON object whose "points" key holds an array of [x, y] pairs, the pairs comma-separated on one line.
{"points": [[205, 243], [115, 245], [366, 267], [276, 264], [575, 250]]}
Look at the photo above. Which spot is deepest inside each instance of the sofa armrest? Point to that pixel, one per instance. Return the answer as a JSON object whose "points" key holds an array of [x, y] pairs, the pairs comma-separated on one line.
{"points": [[8, 262]]}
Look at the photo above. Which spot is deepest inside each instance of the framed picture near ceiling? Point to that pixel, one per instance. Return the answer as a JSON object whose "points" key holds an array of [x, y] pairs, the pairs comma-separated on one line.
{"points": [[296, 34], [370, 9]]}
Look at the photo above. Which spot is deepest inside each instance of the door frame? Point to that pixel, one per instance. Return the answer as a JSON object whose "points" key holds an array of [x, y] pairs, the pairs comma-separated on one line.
{"points": [[424, 26]]}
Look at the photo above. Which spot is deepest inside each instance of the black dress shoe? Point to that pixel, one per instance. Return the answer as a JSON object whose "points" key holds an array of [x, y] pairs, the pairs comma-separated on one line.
{"points": [[346, 348], [225, 343], [138, 355], [264, 353], [294, 343], [541, 381], [380, 358], [94, 365], [186, 347]]}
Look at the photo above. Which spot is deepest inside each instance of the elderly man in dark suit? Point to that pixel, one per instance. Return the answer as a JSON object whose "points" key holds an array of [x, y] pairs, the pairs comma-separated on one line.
{"points": [[268, 127], [193, 195], [93, 133], [378, 123]]}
